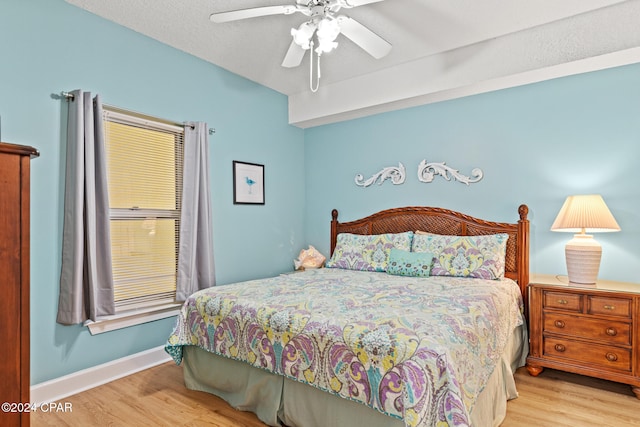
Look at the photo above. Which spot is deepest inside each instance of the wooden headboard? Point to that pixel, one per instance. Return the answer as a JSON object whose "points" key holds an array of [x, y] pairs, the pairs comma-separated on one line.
{"points": [[445, 221]]}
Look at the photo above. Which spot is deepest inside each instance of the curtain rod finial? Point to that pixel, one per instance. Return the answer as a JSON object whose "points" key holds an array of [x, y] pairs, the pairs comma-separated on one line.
{"points": [[67, 95]]}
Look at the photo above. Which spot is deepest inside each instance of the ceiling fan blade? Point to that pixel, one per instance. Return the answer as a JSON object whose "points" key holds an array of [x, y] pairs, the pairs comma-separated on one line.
{"points": [[294, 56], [372, 43], [236, 15], [355, 3]]}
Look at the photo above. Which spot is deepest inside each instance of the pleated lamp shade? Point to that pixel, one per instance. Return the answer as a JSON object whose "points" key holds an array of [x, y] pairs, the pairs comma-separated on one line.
{"points": [[584, 214]]}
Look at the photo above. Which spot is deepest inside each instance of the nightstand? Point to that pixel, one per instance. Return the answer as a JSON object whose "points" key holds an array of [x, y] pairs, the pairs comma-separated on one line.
{"points": [[591, 330]]}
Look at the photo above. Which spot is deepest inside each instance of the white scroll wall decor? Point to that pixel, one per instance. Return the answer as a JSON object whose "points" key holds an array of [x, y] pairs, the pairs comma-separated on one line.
{"points": [[428, 171], [395, 174]]}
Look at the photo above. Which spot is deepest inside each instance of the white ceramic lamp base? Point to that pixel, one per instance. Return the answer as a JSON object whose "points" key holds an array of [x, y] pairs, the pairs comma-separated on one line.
{"points": [[583, 254]]}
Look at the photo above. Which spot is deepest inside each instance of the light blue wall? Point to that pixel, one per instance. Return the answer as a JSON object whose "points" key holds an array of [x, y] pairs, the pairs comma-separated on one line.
{"points": [[49, 46], [536, 144]]}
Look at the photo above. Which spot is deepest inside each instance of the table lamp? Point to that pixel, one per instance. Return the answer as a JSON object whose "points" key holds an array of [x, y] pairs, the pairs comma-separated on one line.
{"points": [[581, 214]]}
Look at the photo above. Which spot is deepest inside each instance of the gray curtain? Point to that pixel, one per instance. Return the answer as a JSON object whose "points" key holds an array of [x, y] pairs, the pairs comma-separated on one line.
{"points": [[195, 259], [86, 279]]}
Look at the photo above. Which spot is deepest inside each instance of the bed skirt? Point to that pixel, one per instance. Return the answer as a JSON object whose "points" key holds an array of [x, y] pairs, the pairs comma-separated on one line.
{"points": [[279, 401]]}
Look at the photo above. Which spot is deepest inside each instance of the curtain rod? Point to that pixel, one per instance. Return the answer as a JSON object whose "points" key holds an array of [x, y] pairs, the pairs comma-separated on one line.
{"points": [[70, 97]]}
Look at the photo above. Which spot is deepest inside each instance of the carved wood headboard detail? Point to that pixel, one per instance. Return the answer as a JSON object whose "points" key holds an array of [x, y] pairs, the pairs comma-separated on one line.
{"points": [[445, 221]]}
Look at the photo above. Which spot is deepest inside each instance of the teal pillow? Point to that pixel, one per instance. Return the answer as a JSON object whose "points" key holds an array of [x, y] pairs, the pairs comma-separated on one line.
{"points": [[405, 263]]}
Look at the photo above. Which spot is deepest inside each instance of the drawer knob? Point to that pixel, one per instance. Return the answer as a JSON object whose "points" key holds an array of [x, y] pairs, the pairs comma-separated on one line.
{"points": [[559, 324], [609, 307], [611, 332], [563, 302], [559, 347], [612, 357]]}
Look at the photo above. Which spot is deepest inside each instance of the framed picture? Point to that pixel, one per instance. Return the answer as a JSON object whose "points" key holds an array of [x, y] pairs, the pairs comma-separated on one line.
{"points": [[248, 183]]}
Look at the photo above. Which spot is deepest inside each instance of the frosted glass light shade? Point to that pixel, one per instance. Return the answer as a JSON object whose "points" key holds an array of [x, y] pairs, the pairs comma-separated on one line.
{"points": [[303, 34], [581, 214]]}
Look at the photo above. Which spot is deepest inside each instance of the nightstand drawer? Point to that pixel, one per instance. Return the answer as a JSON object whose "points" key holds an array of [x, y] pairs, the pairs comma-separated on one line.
{"points": [[609, 306], [563, 301], [599, 329], [590, 354]]}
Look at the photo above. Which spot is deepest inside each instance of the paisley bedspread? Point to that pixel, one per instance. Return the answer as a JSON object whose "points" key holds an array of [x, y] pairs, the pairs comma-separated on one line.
{"points": [[420, 349]]}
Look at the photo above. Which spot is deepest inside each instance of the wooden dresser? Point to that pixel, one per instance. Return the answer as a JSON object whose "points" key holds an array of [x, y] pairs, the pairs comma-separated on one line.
{"points": [[588, 330], [14, 286]]}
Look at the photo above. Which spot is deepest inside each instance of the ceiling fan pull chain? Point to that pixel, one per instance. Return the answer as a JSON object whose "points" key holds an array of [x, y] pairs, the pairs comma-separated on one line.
{"points": [[311, 51]]}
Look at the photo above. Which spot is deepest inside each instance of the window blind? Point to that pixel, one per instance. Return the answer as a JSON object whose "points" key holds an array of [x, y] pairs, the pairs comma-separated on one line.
{"points": [[144, 172]]}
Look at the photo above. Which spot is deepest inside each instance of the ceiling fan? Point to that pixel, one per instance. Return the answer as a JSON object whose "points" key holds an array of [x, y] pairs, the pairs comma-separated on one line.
{"points": [[322, 28]]}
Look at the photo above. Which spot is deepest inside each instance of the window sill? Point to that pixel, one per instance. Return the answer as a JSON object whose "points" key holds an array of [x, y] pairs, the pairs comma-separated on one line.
{"points": [[132, 318]]}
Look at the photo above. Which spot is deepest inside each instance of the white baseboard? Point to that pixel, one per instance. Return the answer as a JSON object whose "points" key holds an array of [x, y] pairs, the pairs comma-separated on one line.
{"points": [[56, 389]]}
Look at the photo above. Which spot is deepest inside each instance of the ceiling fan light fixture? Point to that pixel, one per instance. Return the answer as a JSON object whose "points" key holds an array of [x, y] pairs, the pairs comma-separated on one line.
{"points": [[328, 30], [303, 34]]}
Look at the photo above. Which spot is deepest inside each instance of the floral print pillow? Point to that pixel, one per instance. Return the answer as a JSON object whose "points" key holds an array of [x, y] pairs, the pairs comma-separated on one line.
{"points": [[481, 257], [367, 252]]}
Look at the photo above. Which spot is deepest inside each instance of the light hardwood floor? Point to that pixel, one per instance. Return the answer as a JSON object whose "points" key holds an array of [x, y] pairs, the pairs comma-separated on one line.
{"points": [[157, 397]]}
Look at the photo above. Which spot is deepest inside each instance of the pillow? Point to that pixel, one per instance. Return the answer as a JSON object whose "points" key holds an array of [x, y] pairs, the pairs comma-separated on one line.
{"points": [[367, 252], [464, 256], [405, 263]]}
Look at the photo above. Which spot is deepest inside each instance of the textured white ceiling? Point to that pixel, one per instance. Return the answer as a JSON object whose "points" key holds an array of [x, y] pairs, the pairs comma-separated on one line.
{"points": [[419, 30]]}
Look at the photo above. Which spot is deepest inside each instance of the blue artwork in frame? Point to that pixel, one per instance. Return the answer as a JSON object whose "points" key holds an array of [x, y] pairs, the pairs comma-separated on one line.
{"points": [[248, 183]]}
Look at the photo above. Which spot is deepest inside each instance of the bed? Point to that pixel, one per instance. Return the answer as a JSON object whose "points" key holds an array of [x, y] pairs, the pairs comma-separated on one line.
{"points": [[372, 340]]}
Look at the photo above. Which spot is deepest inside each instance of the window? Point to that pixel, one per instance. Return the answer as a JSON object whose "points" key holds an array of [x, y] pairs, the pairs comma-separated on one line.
{"points": [[150, 217], [144, 174]]}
